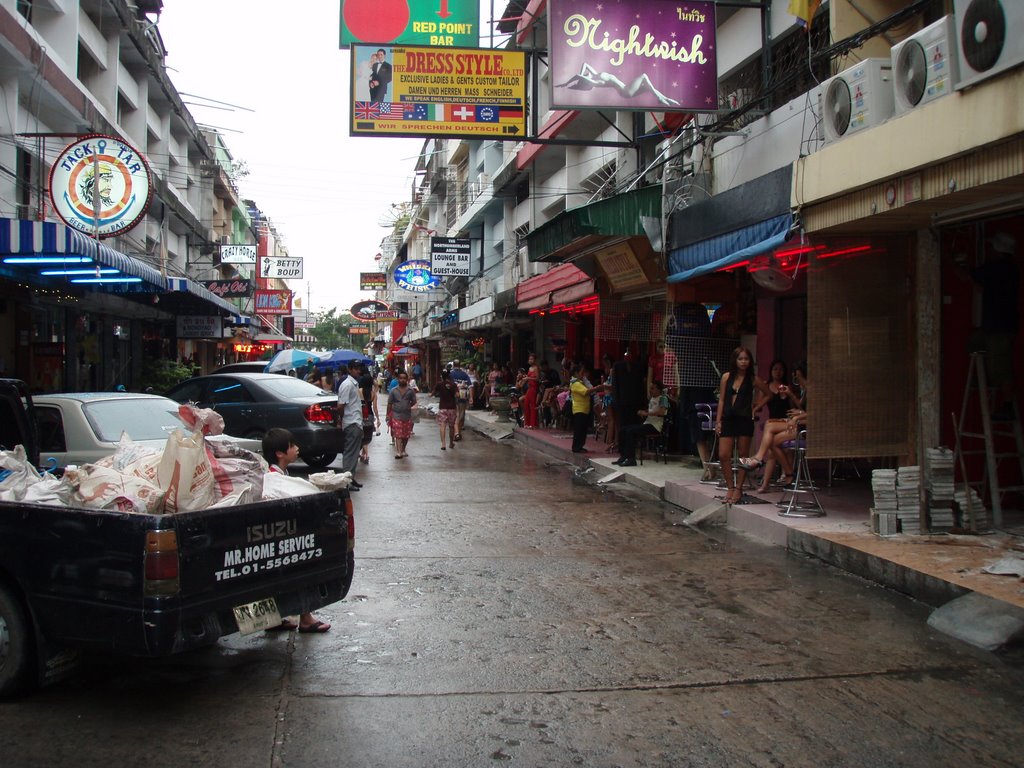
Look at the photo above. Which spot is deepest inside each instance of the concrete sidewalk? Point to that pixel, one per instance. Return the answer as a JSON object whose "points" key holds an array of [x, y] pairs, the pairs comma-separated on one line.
{"points": [[932, 568]]}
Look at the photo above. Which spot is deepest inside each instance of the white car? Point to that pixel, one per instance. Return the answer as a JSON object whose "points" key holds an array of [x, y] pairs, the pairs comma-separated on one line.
{"points": [[82, 427]]}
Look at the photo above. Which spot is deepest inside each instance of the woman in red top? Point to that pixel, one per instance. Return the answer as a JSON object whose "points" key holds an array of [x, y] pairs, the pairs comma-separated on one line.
{"points": [[532, 383]]}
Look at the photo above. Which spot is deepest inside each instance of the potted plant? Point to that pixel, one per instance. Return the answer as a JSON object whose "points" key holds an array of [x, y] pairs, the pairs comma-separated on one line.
{"points": [[500, 403]]}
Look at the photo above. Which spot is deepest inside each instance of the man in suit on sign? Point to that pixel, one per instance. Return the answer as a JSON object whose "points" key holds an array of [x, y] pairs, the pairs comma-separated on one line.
{"points": [[380, 77]]}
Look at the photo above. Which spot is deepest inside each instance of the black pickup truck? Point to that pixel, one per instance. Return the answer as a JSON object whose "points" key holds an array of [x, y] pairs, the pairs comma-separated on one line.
{"points": [[75, 579]]}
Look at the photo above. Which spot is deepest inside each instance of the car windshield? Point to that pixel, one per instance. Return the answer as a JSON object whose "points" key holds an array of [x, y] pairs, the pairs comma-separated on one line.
{"points": [[286, 387], [142, 418]]}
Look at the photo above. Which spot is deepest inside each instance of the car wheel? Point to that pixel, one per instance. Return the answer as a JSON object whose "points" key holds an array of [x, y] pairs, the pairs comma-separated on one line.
{"points": [[318, 460], [16, 647]]}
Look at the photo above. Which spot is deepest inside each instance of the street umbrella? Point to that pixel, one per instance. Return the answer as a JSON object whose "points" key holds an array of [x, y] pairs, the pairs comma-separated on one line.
{"points": [[289, 359], [339, 357], [405, 352]]}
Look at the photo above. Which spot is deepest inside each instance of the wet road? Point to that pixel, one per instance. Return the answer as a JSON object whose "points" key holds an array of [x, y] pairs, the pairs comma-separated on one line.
{"points": [[505, 611]]}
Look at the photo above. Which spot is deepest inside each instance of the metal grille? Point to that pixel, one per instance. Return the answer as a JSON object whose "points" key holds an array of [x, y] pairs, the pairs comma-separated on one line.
{"points": [[858, 332], [639, 321], [699, 356]]}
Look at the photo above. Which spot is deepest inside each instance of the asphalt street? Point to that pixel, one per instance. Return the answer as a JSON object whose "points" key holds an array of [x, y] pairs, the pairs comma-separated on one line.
{"points": [[506, 610]]}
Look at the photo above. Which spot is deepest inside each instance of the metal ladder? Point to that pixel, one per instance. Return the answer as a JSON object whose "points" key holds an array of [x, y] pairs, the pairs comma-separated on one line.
{"points": [[977, 385]]}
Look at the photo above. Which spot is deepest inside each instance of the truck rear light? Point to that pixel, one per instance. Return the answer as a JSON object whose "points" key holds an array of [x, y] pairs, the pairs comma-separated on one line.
{"points": [[161, 563], [320, 414], [350, 514]]}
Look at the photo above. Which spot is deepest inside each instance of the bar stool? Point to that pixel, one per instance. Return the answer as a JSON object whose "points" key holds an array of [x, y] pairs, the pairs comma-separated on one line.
{"points": [[706, 421], [803, 484]]}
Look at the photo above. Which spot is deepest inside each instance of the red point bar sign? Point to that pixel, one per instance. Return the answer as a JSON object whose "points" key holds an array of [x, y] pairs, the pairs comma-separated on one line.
{"points": [[412, 22]]}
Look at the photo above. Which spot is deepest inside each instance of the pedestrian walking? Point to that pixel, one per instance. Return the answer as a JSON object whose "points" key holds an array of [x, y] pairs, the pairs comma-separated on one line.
{"points": [[401, 401], [447, 394], [350, 414], [580, 391]]}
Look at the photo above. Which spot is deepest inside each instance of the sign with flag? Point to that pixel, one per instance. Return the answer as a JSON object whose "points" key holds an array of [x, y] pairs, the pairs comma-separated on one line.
{"points": [[413, 91]]}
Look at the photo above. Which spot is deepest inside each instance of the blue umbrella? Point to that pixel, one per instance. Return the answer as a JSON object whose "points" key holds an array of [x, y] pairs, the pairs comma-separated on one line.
{"points": [[288, 359], [339, 357]]}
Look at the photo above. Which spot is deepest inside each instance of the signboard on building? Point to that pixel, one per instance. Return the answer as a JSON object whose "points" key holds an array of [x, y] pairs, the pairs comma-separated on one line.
{"points": [[388, 316], [238, 254], [472, 92], [621, 266], [412, 22], [450, 256], [634, 55], [276, 266], [100, 185], [271, 302], [373, 281], [415, 276], [200, 327], [359, 330], [229, 289], [367, 310]]}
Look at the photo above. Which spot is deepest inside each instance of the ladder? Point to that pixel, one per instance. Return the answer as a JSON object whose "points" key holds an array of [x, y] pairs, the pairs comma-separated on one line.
{"points": [[977, 387]]}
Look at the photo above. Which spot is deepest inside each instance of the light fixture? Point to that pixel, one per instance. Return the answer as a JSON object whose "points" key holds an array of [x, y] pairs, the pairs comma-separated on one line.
{"points": [[711, 307], [47, 260], [107, 280], [56, 272]]}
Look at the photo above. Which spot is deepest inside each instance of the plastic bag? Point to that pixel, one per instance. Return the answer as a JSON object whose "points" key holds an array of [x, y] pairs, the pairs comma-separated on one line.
{"points": [[331, 480], [277, 485], [16, 474], [235, 468], [204, 420], [57, 491], [99, 487], [186, 474]]}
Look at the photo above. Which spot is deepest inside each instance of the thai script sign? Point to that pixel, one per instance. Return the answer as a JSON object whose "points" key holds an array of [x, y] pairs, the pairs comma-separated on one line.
{"points": [[229, 289], [200, 327], [415, 276], [238, 254], [100, 185], [373, 281], [477, 92], [275, 266], [412, 22], [271, 302], [450, 256], [633, 55]]}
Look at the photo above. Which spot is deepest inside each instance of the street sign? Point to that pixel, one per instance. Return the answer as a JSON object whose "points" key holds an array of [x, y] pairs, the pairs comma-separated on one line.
{"points": [[450, 256], [412, 22], [472, 92], [275, 266]]}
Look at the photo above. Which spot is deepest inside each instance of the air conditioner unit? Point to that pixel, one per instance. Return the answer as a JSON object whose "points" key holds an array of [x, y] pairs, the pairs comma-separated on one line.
{"points": [[924, 66], [990, 36], [857, 98]]}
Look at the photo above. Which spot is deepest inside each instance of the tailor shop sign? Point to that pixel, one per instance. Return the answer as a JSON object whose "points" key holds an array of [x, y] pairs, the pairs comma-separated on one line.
{"points": [[229, 289], [412, 22], [100, 185], [200, 327], [633, 55]]}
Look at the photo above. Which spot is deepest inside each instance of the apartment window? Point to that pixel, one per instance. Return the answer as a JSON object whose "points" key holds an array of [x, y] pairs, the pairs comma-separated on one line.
{"points": [[25, 9], [23, 183], [522, 191]]}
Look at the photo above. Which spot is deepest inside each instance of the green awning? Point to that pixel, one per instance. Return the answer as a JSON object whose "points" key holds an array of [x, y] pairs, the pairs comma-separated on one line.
{"points": [[618, 216]]}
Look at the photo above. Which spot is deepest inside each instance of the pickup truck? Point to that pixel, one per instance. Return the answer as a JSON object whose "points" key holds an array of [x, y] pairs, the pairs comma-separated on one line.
{"points": [[75, 579]]}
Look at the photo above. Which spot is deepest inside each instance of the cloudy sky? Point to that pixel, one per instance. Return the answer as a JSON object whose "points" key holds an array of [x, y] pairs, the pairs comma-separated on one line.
{"points": [[326, 192]]}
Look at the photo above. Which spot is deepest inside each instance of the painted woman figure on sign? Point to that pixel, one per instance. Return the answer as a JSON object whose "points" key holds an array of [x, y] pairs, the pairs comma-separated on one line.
{"points": [[589, 78]]}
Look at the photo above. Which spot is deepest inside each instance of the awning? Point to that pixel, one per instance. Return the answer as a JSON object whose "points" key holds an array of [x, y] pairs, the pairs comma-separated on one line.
{"points": [[202, 292], [725, 250], [272, 336], [737, 224], [73, 258], [536, 291], [572, 230]]}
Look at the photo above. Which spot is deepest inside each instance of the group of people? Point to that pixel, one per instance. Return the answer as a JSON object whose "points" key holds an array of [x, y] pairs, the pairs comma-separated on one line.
{"points": [[734, 421]]}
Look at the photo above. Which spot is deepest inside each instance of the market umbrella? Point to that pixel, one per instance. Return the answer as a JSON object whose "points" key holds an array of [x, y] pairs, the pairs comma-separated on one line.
{"points": [[405, 352], [339, 357], [288, 359]]}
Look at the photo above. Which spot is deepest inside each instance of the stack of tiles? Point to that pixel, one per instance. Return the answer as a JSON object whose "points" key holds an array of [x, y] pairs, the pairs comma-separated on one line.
{"points": [[940, 487], [908, 499], [884, 513]]}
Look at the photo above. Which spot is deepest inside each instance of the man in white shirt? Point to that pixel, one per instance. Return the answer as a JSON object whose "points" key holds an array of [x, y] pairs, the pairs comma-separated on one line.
{"points": [[350, 415]]}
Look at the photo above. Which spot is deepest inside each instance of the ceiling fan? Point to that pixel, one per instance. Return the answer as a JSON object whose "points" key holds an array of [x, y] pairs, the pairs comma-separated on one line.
{"points": [[766, 272]]}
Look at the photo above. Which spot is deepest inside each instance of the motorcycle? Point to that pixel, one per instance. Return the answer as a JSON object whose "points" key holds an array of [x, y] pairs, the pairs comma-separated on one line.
{"points": [[515, 411]]}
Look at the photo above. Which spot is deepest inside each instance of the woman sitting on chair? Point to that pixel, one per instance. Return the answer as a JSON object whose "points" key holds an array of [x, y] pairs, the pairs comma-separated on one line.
{"points": [[776, 433]]}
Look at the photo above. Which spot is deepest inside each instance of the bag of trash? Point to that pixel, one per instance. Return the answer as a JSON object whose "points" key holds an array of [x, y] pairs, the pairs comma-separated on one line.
{"points": [[99, 487], [277, 485], [186, 474], [16, 474]]}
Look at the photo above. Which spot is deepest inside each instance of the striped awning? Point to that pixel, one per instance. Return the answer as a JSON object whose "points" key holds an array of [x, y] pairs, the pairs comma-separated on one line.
{"points": [[46, 250]]}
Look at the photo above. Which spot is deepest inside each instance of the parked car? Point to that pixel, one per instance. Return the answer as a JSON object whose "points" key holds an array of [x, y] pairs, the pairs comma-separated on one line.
{"points": [[248, 367], [252, 403], [79, 428]]}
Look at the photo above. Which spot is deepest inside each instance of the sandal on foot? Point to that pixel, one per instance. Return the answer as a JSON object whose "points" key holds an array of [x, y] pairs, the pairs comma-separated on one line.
{"points": [[751, 463], [315, 628], [785, 481]]}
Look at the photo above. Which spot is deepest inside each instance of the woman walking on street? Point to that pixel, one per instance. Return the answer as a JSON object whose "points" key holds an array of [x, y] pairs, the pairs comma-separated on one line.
{"points": [[401, 401], [446, 392]]}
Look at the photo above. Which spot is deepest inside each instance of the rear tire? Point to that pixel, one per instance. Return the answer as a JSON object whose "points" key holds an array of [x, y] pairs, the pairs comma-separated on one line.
{"points": [[319, 461], [16, 646]]}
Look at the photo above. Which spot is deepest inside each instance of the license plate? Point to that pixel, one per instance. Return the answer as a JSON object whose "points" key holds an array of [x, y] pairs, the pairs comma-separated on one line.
{"points": [[261, 614]]}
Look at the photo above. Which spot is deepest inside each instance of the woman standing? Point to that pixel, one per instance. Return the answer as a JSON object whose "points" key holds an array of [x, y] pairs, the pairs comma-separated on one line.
{"points": [[446, 391], [532, 384], [735, 423], [401, 401]]}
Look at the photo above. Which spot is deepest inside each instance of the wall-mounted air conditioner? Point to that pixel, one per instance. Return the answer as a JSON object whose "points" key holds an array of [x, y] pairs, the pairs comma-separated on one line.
{"points": [[990, 37], [925, 66], [857, 99]]}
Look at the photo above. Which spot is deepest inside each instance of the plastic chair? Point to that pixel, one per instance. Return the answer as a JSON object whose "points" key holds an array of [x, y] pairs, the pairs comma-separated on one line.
{"points": [[803, 484], [658, 443]]}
